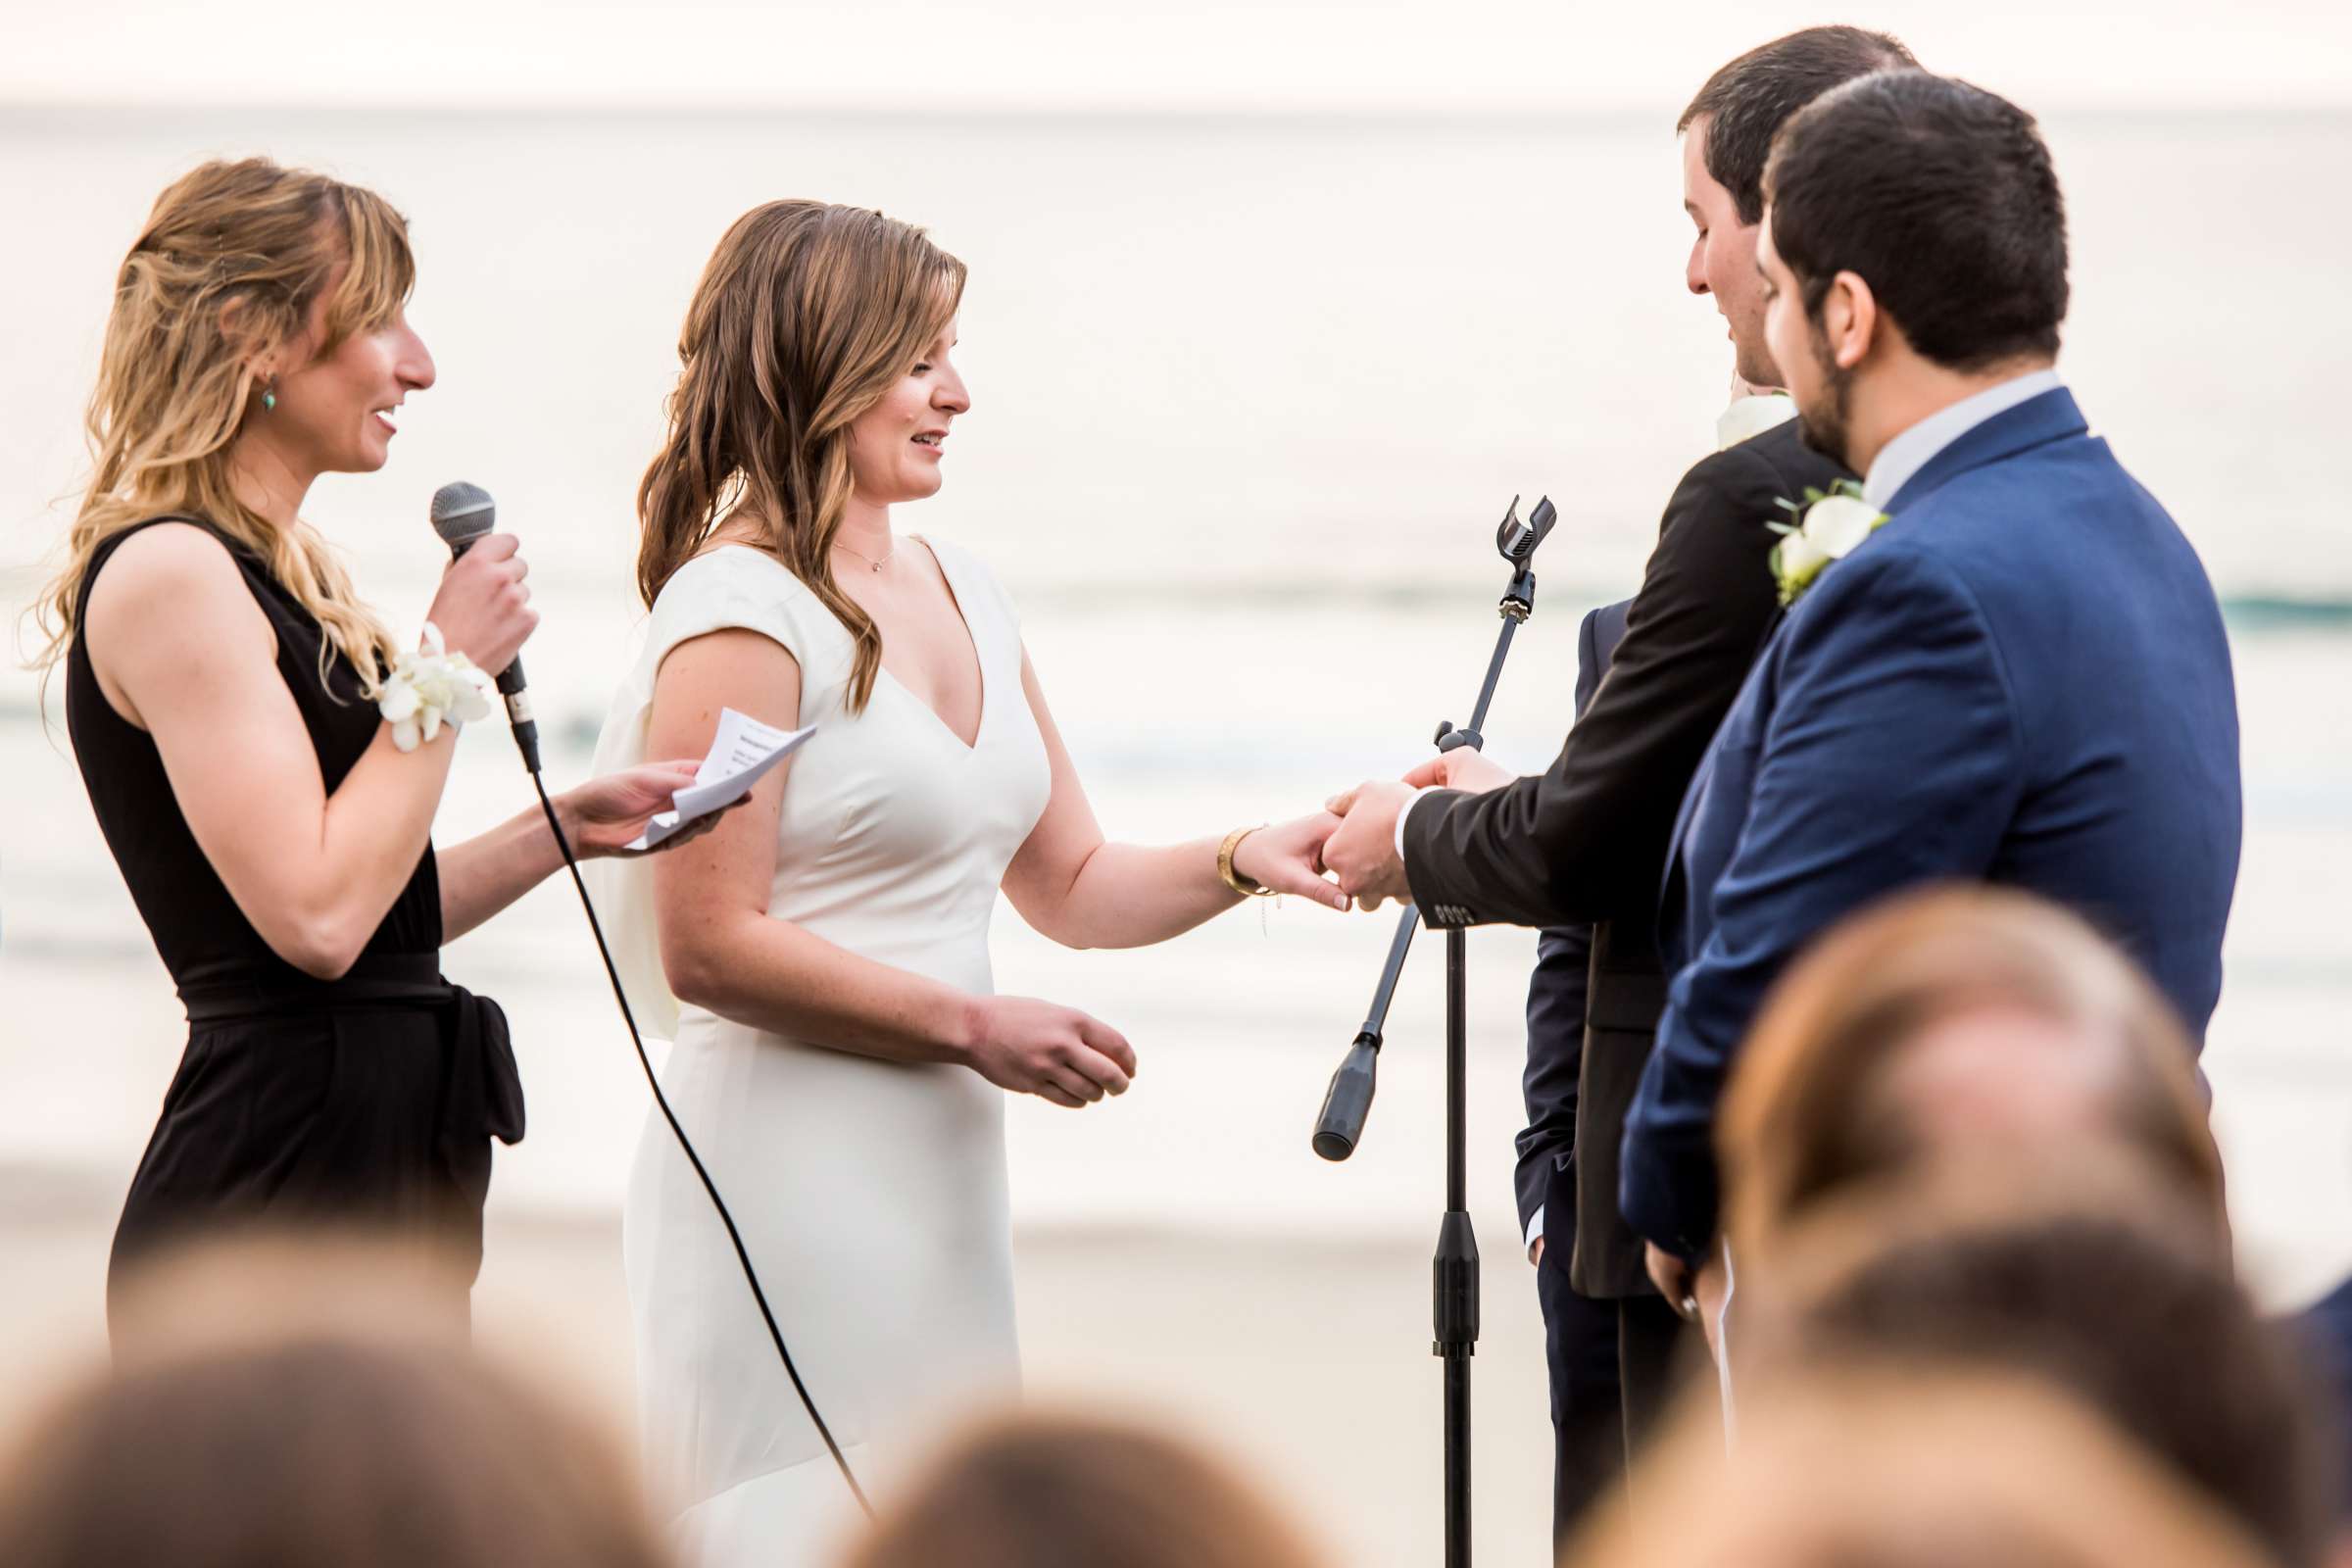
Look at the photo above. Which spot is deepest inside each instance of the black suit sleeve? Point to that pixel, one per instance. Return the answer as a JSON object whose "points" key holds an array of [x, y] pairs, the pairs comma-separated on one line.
{"points": [[1555, 1014], [1586, 839]]}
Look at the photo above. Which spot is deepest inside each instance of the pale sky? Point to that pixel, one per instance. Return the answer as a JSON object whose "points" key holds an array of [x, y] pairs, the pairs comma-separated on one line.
{"points": [[1521, 56]]}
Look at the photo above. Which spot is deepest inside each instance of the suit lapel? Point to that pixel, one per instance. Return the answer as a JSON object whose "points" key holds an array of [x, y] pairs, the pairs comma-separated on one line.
{"points": [[1669, 911]]}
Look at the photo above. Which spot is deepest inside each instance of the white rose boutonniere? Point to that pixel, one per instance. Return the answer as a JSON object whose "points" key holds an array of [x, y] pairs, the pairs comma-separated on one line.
{"points": [[1828, 528], [429, 688]]}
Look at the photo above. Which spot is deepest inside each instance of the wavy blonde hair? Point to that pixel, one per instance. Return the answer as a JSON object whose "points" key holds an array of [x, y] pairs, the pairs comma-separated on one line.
{"points": [[807, 314], [226, 270]]}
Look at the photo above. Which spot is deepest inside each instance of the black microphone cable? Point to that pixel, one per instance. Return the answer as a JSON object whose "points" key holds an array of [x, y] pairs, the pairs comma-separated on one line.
{"points": [[741, 1254], [462, 514]]}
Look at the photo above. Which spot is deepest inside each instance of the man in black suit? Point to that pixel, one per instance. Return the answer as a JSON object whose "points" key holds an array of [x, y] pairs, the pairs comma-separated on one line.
{"points": [[1585, 843]]}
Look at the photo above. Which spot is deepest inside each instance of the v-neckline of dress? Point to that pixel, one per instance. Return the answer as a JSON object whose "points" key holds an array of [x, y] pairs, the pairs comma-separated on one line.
{"points": [[882, 672], [979, 660]]}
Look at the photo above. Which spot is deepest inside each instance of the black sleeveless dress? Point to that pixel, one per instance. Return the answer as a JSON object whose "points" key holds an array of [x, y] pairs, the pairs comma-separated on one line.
{"points": [[366, 1101]]}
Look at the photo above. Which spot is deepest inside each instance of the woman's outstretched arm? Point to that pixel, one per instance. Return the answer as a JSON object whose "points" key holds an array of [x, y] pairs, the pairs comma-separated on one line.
{"points": [[1084, 891], [483, 874]]}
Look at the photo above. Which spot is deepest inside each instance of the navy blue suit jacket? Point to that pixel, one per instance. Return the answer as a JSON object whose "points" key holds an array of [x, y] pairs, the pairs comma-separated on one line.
{"points": [[1555, 996], [2020, 679]]}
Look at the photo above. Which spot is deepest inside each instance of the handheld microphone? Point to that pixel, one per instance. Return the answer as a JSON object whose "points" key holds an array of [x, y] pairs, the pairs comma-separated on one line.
{"points": [[462, 514]]}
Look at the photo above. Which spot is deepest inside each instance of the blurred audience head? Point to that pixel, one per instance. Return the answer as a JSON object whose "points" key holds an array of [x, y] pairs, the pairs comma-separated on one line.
{"points": [[810, 316], [323, 1422], [2080, 1274], [230, 1280], [1039, 1491], [1890, 1470], [1957, 1023]]}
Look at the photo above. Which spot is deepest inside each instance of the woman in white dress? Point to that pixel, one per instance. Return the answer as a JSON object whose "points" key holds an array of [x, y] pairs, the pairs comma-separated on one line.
{"points": [[820, 959]]}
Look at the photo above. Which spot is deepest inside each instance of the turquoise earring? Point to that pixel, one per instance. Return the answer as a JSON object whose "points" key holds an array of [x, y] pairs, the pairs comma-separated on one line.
{"points": [[269, 394]]}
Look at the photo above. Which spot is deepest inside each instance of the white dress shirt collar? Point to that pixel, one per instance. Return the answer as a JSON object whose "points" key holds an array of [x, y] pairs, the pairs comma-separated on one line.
{"points": [[1901, 459], [1751, 417]]}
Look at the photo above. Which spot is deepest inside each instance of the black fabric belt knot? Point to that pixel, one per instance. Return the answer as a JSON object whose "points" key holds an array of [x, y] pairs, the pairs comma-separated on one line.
{"points": [[481, 1095]]}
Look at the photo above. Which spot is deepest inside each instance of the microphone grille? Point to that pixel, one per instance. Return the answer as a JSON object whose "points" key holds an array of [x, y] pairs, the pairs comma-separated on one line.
{"points": [[463, 512]]}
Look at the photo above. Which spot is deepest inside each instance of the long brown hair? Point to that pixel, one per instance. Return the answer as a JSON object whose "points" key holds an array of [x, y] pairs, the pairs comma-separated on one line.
{"points": [[807, 313], [226, 271], [1805, 1111]]}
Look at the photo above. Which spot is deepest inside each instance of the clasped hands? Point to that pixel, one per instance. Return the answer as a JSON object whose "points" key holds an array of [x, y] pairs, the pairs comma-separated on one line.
{"points": [[1362, 852], [1354, 838]]}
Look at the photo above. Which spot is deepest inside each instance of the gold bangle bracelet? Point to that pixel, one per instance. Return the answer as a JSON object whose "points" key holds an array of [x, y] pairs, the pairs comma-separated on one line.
{"points": [[1245, 886]]}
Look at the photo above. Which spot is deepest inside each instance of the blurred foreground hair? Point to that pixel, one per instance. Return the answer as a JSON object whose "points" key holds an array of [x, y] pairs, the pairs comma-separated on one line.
{"points": [[336, 1420], [226, 269], [1079, 1492], [1818, 1101], [2080, 1272], [807, 314], [1893, 1471]]}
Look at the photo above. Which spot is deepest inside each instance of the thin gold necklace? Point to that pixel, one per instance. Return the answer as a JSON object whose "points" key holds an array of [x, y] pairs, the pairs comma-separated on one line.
{"points": [[868, 559]]}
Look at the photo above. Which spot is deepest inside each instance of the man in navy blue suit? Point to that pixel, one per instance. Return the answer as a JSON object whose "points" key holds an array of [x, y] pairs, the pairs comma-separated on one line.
{"points": [[2020, 678]]}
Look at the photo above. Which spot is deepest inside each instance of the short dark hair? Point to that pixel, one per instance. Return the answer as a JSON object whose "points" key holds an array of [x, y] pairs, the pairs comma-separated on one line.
{"points": [[1941, 196], [1748, 100], [2141, 1320]]}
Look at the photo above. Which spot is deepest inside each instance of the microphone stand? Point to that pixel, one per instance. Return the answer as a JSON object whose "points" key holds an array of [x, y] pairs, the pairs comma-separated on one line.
{"points": [[1341, 1124]]}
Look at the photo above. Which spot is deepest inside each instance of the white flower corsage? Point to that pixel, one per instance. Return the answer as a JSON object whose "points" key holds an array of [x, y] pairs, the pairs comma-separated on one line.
{"points": [[1828, 528], [429, 688]]}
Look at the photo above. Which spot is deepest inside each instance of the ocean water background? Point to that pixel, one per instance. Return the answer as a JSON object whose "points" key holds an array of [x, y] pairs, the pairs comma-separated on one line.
{"points": [[1250, 393]]}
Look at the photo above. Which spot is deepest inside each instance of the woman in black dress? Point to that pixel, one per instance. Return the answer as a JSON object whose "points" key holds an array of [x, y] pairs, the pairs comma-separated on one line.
{"points": [[223, 690]]}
